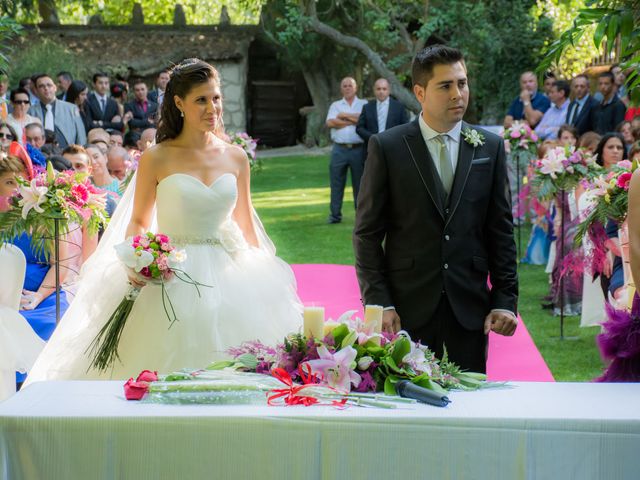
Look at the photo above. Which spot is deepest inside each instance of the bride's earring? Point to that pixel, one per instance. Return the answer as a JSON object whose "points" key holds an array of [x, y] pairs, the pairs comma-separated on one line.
{"points": [[181, 113]]}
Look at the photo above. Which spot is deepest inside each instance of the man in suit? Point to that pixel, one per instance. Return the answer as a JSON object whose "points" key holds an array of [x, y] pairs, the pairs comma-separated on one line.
{"points": [[434, 220], [609, 113], [581, 108], [143, 110], [380, 114], [64, 82], [102, 111], [61, 117], [157, 95]]}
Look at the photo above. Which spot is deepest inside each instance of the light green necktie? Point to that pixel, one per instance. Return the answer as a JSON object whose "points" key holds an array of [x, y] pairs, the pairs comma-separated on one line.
{"points": [[446, 170]]}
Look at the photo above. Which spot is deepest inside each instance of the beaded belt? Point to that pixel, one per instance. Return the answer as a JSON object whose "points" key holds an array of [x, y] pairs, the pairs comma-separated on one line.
{"points": [[194, 240]]}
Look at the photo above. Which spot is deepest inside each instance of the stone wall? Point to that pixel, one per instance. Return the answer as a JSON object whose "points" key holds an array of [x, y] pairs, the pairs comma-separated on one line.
{"points": [[144, 50]]}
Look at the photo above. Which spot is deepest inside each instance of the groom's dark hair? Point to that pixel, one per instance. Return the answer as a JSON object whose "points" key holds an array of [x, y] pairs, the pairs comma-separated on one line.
{"points": [[429, 57]]}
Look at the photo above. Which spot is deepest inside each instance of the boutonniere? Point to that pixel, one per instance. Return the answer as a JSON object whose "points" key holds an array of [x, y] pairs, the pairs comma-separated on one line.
{"points": [[473, 137]]}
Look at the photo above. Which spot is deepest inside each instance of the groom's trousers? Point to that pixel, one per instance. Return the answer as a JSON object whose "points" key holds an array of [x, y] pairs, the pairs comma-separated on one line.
{"points": [[467, 348]]}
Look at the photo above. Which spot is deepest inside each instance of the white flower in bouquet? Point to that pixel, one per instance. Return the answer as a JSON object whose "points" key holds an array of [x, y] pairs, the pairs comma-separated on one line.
{"points": [[176, 257], [32, 197], [133, 258]]}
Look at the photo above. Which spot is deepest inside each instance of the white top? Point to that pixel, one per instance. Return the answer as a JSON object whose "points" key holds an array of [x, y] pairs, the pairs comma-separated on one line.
{"points": [[451, 138], [19, 126], [345, 134], [383, 113]]}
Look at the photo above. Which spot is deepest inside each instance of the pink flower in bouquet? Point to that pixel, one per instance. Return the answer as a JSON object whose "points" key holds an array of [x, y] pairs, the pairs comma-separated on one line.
{"points": [[515, 133], [147, 376], [161, 238], [80, 193], [626, 164], [144, 241], [165, 246], [336, 368], [534, 137], [624, 180], [601, 186]]}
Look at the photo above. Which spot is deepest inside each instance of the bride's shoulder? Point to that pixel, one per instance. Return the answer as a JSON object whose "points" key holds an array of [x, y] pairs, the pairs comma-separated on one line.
{"points": [[237, 155]]}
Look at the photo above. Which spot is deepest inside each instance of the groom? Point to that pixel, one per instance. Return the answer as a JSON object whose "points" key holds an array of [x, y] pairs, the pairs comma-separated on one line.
{"points": [[434, 220]]}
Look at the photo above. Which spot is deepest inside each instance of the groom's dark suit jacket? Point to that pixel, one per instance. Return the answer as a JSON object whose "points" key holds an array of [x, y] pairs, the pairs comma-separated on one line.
{"points": [[412, 246]]}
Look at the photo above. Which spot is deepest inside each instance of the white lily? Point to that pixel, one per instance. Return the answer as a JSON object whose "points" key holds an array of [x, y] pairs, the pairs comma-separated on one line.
{"points": [[32, 197], [132, 258]]}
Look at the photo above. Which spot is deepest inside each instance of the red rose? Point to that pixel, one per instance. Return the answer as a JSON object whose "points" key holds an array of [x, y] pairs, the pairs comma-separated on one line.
{"points": [[624, 180], [147, 376], [135, 390]]}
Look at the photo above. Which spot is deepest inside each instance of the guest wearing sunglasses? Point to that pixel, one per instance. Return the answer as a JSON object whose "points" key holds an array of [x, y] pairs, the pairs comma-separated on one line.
{"points": [[19, 118], [7, 135]]}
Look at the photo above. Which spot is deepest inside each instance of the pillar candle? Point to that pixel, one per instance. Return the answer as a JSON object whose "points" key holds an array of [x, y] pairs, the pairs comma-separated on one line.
{"points": [[314, 322], [373, 316]]}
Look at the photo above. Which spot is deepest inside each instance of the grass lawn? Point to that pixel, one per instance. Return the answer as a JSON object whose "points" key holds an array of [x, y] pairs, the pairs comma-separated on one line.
{"points": [[291, 194]]}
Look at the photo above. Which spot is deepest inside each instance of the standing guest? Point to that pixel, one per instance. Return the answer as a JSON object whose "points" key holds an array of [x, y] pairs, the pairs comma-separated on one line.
{"points": [[580, 113], [27, 84], [380, 114], [117, 161], [7, 135], [103, 112], [64, 82], [19, 118], [620, 79], [530, 106], [347, 152], [157, 95], [610, 112], [549, 78], [625, 130], [100, 174], [568, 135], [77, 94], [147, 139], [120, 93], [434, 221], [556, 115], [143, 110], [5, 106], [115, 138], [61, 117]]}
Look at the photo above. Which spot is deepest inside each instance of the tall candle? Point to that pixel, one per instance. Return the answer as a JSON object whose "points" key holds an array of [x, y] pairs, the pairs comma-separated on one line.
{"points": [[373, 316], [314, 322]]}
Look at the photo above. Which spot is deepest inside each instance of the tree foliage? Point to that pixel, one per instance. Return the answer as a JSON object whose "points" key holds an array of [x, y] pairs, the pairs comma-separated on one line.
{"points": [[9, 30], [607, 22]]}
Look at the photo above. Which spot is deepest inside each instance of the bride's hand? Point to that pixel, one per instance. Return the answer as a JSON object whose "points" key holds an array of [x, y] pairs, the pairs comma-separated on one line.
{"points": [[136, 280]]}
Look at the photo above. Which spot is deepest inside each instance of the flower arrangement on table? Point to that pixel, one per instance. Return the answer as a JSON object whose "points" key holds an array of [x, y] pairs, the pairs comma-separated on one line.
{"points": [[562, 169], [52, 200], [249, 145], [346, 361], [152, 258]]}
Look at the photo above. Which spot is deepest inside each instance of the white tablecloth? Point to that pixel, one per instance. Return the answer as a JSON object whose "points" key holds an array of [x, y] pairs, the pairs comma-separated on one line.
{"points": [[86, 430]]}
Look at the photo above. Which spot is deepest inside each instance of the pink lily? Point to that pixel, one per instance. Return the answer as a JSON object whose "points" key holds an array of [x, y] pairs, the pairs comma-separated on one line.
{"points": [[336, 368]]}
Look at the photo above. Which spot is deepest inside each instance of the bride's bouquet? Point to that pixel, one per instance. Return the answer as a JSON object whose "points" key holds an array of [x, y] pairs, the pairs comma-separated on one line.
{"points": [[153, 259]]}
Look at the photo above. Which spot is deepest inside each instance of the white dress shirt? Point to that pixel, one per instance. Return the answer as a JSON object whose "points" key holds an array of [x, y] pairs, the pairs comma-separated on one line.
{"points": [[102, 101], [345, 134], [383, 112], [451, 139]]}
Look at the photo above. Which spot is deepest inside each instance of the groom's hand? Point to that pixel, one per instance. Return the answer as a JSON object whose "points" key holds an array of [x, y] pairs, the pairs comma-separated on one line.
{"points": [[391, 321], [502, 323]]}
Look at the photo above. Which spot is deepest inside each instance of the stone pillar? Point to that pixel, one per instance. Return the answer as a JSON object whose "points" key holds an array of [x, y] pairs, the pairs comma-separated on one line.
{"points": [[224, 16], [234, 80], [179, 18], [137, 17]]}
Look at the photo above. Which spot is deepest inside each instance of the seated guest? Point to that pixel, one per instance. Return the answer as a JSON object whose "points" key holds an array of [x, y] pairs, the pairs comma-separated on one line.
{"points": [[59, 163], [19, 118], [568, 135], [7, 135], [580, 112], [634, 152], [34, 135], [38, 303], [589, 141], [143, 110], [380, 114], [624, 129], [610, 112], [118, 161], [99, 136], [51, 145], [147, 139], [130, 140], [115, 138], [548, 79], [103, 112], [530, 106], [556, 115], [100, 174]]}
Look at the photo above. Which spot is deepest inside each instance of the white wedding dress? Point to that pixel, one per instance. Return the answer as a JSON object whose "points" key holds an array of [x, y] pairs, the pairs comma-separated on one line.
{"points": [[252, 293]]}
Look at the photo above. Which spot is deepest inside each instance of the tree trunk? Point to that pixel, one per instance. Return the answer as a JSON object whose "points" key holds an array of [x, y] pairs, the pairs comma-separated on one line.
{"points": [[49, 12], [319, 85]]}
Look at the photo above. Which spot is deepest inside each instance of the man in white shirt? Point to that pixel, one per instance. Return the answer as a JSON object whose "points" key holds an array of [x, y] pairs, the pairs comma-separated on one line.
{"points": [[556, 116], [347, 146]]}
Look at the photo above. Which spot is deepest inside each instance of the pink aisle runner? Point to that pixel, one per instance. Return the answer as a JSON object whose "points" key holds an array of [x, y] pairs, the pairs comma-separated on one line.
{"points": [[335, 287]]}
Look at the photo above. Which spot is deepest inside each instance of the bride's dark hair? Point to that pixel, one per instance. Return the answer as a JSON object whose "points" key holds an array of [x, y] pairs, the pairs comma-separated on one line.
{"points": [[184, 76]]}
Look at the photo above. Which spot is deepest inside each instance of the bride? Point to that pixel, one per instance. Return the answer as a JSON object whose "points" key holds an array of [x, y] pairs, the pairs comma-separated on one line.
{"points": [[193, 187]]}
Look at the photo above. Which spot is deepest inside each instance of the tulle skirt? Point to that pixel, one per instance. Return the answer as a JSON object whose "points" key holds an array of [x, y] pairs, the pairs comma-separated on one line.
{"points": [[250, 294]]}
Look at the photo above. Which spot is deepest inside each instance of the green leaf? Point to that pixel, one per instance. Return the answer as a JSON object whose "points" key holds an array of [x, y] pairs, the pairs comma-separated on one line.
{"points": [[349, 339], [248, 360], [599, 33], [339, 333], [390, 385], [612, 32], [220, 365], [401, 347], [626, 29]]}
